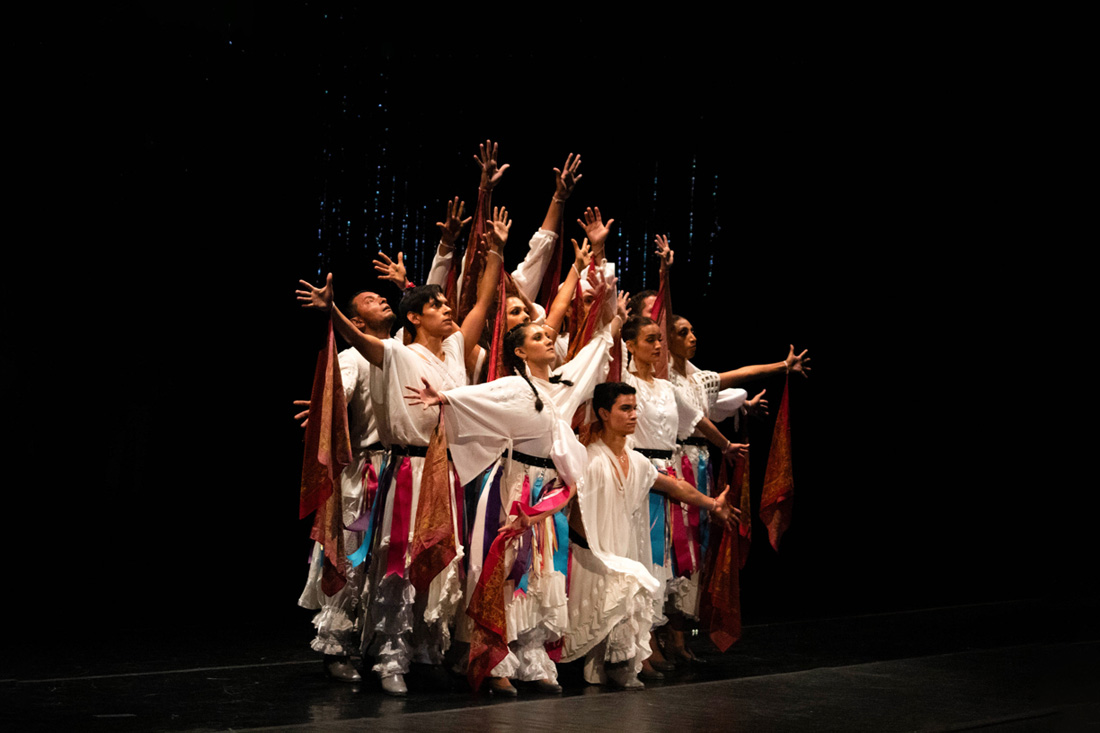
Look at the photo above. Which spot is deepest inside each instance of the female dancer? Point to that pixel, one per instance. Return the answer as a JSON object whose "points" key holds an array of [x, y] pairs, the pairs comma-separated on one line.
{"points": [[527, 419]]}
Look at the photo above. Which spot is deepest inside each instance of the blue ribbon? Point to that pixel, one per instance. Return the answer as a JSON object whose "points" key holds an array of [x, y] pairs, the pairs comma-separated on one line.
{"points": [[536, 490], [657, 527], [704, 517]]}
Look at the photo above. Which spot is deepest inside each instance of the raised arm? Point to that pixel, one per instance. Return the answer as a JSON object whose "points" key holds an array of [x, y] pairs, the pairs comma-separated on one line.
{"points": [[370, 347], [565, 180], [582, 256], [793, 364], [496, 237], [491, 170], [596, 231]]}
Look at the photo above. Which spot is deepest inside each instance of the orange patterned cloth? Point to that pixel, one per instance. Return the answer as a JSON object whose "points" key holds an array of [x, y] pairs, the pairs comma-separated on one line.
{"points": [[720, 601], [488, 643], [778, 497], [433, 545], [327, 452]]}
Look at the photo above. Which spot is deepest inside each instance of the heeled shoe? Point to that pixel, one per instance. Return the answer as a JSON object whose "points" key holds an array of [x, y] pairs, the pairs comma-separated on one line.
{"points": [[341, 669], [546, 687], [394, 685], [502, 686]]}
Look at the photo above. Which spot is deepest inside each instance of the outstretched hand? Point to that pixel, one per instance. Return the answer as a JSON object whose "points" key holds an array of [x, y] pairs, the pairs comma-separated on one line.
{"points": [[736, 450], [390, 270], [567, 177], [730, 515], [798, 364], [663, 251], [452, 225], [487, 161], [320, 298], [594, 227], [621, 302], [428, 397], [757, 406]]}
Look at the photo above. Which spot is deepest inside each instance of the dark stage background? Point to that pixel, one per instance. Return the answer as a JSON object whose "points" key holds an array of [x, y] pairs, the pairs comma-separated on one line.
{"points": [[187, 167]]}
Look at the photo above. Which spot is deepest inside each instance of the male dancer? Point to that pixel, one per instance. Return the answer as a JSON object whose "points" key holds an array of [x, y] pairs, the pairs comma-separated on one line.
{"points": [[340, 617]]}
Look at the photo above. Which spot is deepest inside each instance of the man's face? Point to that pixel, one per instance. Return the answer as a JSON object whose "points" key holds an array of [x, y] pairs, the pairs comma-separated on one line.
{"points": [[374, 312], [435, 320], [622, 418], [681, 341]]}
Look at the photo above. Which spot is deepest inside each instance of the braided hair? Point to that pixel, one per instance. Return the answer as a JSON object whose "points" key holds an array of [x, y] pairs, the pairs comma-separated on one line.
{"points": [[513, 340]]}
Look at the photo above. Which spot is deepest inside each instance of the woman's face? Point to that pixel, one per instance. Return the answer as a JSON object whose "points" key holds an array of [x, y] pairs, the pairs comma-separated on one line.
{"points": [[647, 306], [681, 340], [537, 347], [515, 313], [646, 346]]}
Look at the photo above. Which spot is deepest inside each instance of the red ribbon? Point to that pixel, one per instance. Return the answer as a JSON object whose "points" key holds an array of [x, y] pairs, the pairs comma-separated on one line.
{"points": [[399, 525], [685, 528]]}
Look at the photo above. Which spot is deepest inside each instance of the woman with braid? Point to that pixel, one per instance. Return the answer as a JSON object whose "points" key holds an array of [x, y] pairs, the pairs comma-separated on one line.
{"points": [[518, 427]]}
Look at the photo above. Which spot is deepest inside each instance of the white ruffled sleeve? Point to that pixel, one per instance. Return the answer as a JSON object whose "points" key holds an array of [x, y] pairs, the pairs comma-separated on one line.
{"points": [[480, 419], [528, 276], [585, 370]]}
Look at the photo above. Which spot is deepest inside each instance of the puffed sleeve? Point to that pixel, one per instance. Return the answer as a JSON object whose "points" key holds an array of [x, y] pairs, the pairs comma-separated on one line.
{"points": [[528, 276], [585, 370], [481, 418]]}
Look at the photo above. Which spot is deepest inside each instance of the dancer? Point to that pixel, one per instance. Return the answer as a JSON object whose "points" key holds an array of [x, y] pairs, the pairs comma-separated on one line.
{"points": [[403, 624], [527, 419], [611, 593], [339, 620]]}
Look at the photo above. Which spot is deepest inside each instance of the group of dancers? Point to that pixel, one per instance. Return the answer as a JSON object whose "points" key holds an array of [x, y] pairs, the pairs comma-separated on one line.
{"points": [[504, 495]]}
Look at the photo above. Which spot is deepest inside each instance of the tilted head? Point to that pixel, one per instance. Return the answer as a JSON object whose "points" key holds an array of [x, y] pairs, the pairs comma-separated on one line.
{"points": [[515, 313], [370, 312], [426, 308], [526, 342]]}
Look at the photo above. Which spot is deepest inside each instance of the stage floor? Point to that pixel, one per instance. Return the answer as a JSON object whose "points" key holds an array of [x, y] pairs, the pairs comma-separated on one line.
{"points": [[1012, 666]]}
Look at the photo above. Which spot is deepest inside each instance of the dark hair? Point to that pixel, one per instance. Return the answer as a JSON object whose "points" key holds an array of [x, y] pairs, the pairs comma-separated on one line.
{"points": [[632, 328], [352, 310], [673, 318], [606, 393], [513, 340], [414, 302], [637, 302]]}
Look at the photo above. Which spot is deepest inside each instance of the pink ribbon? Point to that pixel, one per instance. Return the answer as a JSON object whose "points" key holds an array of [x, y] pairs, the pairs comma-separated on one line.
{"points": [[399, 526]]}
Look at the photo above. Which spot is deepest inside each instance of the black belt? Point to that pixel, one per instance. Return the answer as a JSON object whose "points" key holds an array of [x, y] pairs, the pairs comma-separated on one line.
{"points": [[654, 453], [375, 446], [413, 451], [530, 460], [693, 441], [577, 540]]}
